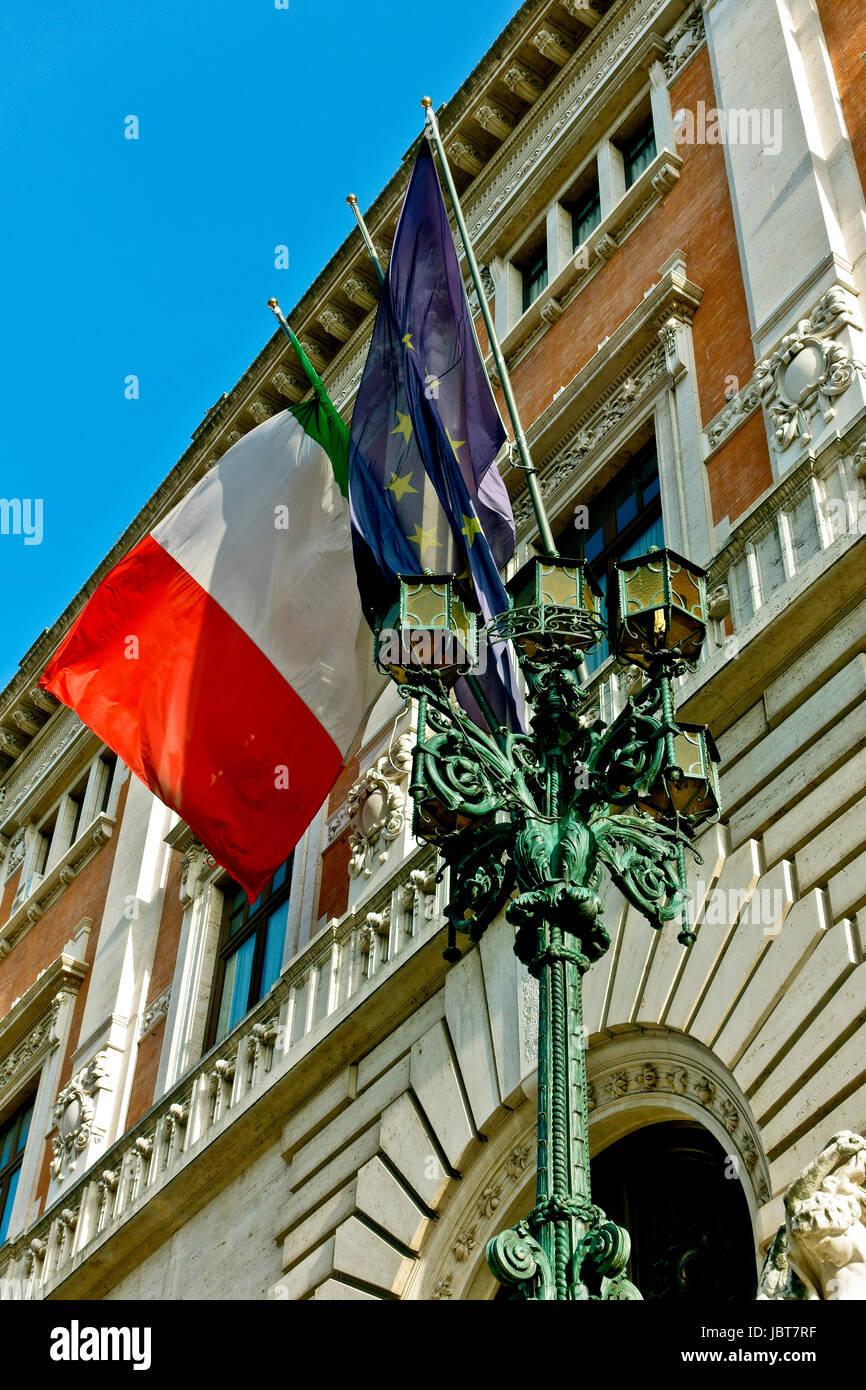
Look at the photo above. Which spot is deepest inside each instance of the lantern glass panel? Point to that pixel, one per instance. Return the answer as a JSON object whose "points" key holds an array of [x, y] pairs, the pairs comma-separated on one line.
{"points": [[558, 585], [687, 590], [643, 588], [426, 605], [689, 752]]}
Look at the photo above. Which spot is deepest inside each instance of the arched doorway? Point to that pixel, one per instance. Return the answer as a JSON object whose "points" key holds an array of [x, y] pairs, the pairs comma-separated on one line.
{"points": [[677, 1193]]}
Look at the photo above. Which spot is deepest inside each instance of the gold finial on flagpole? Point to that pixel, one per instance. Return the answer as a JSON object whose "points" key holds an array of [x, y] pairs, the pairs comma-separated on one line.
{"points": [[368, 240], [426, 102], [274, 304]]}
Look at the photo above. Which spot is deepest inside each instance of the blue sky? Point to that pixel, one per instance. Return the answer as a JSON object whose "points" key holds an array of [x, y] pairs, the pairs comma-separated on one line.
{"points": [[155, 257]]}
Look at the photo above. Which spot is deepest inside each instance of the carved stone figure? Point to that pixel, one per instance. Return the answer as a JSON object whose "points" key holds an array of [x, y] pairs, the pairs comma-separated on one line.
{"points": [[820, 1252]]}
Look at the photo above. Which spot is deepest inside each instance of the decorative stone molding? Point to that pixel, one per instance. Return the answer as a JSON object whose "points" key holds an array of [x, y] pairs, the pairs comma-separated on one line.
{"points": [[74, 1115], [551, 311], [288, 385], [106, 1187], [260, 411], [507, 1176], [735, 413], [376, 925], [660, 1075], [338, 822], [40, 1037], [133, 1185], [315, 351], [421, 884], [665, 178], [376, 805], [42, 699], [466, 156], [26, 720], [154, 1013], [719, 601], [11, 743], [495, 119], [593, 429], [606, 247], [34, 1256], [806, 373], [523, 82], [606, 48], [361, 293], [584, 11], [684, 42], [260, 1046], [670, 337], [552, 43], [41, 759], [17, 850], [336, 323], [196, 866]]}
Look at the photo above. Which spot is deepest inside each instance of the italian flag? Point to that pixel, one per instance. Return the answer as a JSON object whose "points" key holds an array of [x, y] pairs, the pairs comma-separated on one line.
{"points": [[225, 658]]}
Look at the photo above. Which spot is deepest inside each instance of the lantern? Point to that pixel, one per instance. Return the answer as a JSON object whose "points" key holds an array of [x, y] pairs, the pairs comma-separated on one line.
{"points": [[555, 603], [429, 630], [689, 787], [662, 608]]}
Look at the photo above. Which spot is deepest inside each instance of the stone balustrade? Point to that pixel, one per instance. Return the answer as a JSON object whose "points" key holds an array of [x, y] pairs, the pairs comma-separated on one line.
{"points": [[340, 963]]}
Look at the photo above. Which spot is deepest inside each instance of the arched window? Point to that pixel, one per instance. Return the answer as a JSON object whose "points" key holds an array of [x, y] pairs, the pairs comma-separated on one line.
{"points": [[678, 1194]]}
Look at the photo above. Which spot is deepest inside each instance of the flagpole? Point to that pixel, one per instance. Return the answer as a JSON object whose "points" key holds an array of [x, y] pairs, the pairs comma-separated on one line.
{"points": [[368, 240], [309, 370], [544, 530]]}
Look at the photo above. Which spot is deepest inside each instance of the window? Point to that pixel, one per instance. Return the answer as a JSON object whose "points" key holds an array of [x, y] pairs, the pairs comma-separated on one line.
{"points": [[638, 151], [625, 519], [250, 956], [66, 822], [585, 216], [534, 272], [13, 1138]]}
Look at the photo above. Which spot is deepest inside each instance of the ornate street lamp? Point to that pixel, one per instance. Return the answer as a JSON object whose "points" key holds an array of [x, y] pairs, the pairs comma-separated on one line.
{"points": [[531, 819], [528, 821]]}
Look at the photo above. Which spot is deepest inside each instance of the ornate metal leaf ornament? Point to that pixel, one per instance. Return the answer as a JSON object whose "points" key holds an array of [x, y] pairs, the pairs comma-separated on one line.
{"points": [[529, 822]]}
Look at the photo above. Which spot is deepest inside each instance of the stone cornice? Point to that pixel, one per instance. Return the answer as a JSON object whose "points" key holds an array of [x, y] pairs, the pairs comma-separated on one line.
{"points": [[602, 79]]}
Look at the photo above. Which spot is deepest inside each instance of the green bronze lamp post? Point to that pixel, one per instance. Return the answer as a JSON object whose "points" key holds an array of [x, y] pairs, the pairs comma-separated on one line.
{"points": [[529, 820]]}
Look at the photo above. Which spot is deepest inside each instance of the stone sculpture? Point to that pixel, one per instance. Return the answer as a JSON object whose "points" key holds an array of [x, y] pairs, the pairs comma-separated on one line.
{"points": [[820, 1252]]}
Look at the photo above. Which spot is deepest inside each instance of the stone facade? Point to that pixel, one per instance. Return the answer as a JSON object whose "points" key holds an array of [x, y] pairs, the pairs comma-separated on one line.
{"points": [[370, 1124]]}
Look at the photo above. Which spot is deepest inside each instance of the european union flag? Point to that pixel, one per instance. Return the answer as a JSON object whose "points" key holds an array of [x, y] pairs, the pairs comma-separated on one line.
{"points": [[424, 493]]}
